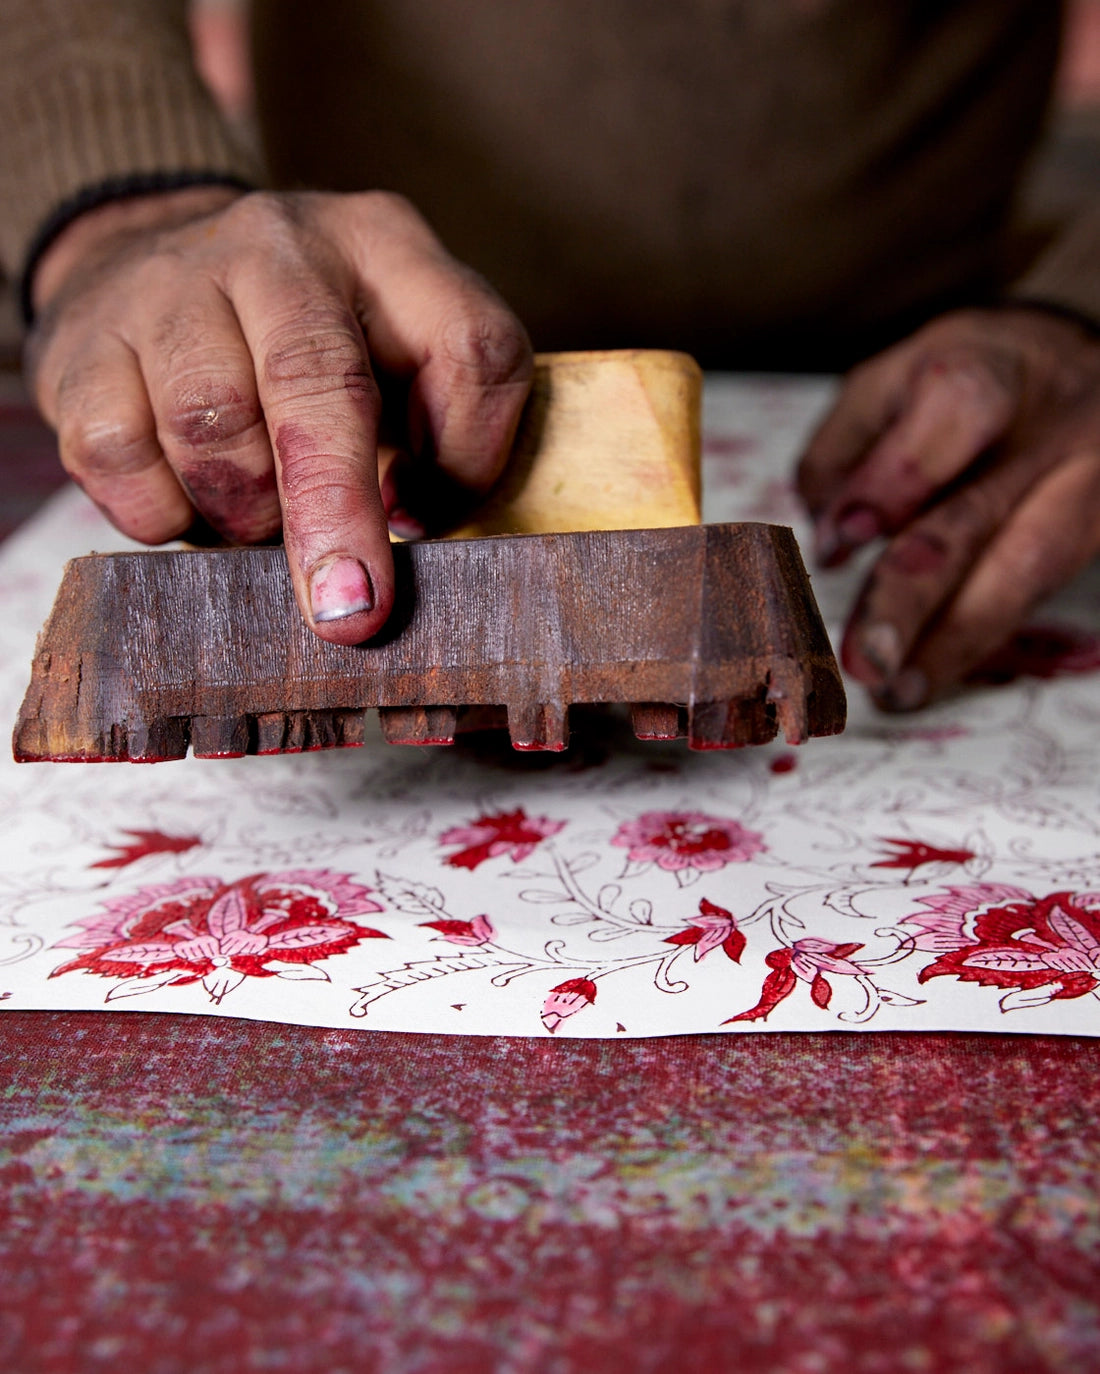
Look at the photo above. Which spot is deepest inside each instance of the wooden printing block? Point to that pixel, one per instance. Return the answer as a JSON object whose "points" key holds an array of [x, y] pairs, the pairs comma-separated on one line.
{"points": [[709, 631]]}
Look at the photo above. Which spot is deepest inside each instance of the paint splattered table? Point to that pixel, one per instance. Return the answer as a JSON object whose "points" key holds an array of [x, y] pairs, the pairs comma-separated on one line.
{"points": [[200, 1194]]}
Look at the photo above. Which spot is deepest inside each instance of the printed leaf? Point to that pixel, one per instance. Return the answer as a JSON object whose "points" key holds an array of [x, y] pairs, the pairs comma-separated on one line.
{"points": [[641, 908], [1022, 998], [145, 842], [152, 952], [221, 983], [134, 987], [411, 898], [229, 913], [898, 999], [691, 936], [304, 937], [686, 877], [780, 983], [821, 991], [734, 945], [298, 973]]}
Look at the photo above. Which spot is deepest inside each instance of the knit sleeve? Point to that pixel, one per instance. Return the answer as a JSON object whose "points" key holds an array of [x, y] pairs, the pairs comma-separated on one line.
{"points": [[99, 98], [1067, 274]]}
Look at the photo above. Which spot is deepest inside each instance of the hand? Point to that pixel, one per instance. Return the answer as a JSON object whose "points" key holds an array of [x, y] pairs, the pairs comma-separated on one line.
{"points": [[974, 448], [206, 353]]}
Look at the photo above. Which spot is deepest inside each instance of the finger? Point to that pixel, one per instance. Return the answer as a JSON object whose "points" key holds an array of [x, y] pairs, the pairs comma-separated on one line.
{"points": [[1050, 537], [202, 387], [960, 403], [430, 319], [870, 398], [108, 444], [923, 567], [322, 407]]}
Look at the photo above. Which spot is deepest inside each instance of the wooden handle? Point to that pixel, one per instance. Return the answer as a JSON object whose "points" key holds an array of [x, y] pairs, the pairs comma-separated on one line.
{"points": [[608, 441]]}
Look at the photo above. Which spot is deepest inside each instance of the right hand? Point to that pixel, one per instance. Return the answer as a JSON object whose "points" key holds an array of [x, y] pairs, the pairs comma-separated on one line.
{"points": [[207, 353]]}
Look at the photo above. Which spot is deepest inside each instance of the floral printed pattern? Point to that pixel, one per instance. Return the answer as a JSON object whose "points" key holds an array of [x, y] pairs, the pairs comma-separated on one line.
{"points": [[932, 872], [678, 840], [1044, 948], [507, 832], [201, 929]]}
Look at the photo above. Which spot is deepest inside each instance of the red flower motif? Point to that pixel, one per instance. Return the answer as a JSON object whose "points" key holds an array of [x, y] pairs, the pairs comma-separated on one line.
{"points": [[809, 960], [220, 933], [507, 832], [715, 929], [147, 842], [567, 999], [676, 840], [911, 854], [479, 931], [1042, 948]]}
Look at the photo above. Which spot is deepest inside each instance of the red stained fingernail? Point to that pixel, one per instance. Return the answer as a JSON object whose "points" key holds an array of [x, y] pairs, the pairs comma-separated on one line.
{"points": [[339, 589], [404, 525]]}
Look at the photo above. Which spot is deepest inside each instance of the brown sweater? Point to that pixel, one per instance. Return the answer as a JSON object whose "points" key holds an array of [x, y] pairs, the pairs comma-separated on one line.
{"points": [[762, 182]]}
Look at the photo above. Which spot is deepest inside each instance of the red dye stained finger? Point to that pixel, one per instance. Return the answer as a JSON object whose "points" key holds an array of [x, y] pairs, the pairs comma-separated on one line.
{"points": [[1048, 538], [322, 407], [202, 385], [108, 444]]}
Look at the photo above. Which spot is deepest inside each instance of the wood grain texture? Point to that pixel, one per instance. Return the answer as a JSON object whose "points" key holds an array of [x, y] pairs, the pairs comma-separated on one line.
{"points": [[709, 631]]}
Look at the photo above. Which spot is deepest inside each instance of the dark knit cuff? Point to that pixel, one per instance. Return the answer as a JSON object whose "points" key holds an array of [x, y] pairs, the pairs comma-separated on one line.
{"points": [[102, 193], [1089, 323]]}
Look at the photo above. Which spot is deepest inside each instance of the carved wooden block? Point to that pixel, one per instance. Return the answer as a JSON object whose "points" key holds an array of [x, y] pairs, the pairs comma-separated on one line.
{"points": [[709, 631]]}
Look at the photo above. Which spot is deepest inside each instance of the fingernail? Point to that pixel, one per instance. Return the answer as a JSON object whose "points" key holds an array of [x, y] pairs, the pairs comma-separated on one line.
{"points": [[905, 692], [857, 525], [404, 525], [339, 589], [880, 645]]}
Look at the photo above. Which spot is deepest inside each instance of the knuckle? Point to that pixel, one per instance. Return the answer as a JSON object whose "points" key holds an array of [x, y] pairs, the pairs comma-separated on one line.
{"points": [[205, 412], [388, 206], [314, 486], [317, 355], [979, 378], [118, 445], [488, 342], [260, 211]]}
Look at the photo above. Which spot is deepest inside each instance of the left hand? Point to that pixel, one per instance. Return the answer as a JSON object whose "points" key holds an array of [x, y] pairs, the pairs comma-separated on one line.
{"points": [[974, 448]]}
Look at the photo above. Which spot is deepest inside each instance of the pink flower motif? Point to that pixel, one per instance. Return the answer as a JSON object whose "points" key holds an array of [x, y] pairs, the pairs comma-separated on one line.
{"points": [[479, 931], [506, 832], [1041, 949], [567, 999], [676, 840], [202, 928], [948, 922], [807, 960], [715, 928]]}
